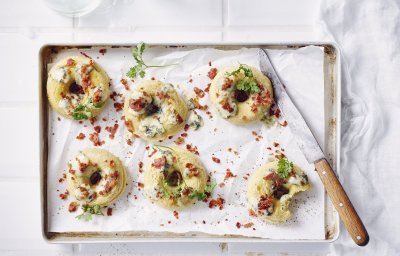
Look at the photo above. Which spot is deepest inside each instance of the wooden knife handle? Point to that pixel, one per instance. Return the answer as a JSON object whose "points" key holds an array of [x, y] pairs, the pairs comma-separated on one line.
{"points": [[342, 203]]}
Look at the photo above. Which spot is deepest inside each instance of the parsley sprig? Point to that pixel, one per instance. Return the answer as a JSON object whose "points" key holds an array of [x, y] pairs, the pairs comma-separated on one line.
{"points": [[81, 112], [248, 83], [140, 67], [201, 195], [284, 167], [88, 211]]}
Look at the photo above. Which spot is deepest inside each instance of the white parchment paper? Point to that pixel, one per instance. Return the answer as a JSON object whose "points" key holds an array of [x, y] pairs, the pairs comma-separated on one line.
{"points": [[301, 70]]}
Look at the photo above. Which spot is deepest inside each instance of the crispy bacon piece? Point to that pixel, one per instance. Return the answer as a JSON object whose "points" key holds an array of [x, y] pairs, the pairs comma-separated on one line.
{"points": [[252, 212], [162, 95], [276, 144], [285, 123], [179, 141], [97, 128], [97, 96], [159, 162], [225, 105], [176, 214], [109, 211], [229, 174], [212, 73], [238, 225], [227, 84], [265, 202], [216, 159], [207, 89], [192, 149], [193, 171], [248, 225], [118, 106], [94, 137], [199, 92], [263, 98], [73, 206], [70, 62], [80, 136], [124, 82], [219, 202], [112, 130], [64, 195], [137, 104], [178, 117], [186, 127], [103, 51]]}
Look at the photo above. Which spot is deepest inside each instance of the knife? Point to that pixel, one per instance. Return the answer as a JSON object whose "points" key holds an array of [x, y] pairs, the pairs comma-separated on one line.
{"points": [[314, 155]]}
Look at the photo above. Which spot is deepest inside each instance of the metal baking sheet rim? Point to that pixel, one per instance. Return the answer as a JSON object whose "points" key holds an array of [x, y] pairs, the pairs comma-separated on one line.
{"points": [[332, 82]]}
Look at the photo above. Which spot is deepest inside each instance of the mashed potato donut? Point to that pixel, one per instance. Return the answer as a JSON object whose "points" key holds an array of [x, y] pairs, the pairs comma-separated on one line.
{"points": [[174, 178], [77, 88], [154, 111], [241, 94], [270, 190], [96, 177]]}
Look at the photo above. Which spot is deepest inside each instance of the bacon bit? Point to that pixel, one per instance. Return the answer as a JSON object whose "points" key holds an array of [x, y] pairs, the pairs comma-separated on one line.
{"points": [[265, 202], [129, 142], [92, 120], [184, 134], [238, 225], [147, 147], [219, 202], [221, 185], [94, 137], [276, 144], [248, 225], [178, 117], [109, 211], [140, 185], [271, 176], [179, 141], [229, 174], [118, 106], [97, 96], [159, 162], [227, 84], [269, 148], [112, 130], [199, 92], [176, 214], [64, 195], [212, 73], [97, 128], [113, 95], [163, 95], [225, 105], [124, 82], [153, 78], [277, 113], [196, 104], [207, 89], [285, 123], [84, 54], [192, 149], [186, 127], [112, 163], [80, 136], [191, 80], [103, 51], [153, 152], [216, 160], [70, 62], [137, 104], [263, 99], [193, 171], [71, 171], [73, 206], [252, 212], [209, 63]]}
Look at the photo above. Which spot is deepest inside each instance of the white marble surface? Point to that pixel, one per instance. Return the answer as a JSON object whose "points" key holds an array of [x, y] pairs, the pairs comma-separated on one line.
{"points": [[26, 25]]}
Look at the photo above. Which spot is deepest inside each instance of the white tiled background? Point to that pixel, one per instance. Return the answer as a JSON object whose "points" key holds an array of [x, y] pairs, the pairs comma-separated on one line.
{"points": [[27, 24]]}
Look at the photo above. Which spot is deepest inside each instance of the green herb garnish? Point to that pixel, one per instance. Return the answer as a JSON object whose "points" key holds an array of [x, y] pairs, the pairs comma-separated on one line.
{"points": [[99, 104], [201, 195], [140, 67], [81, 112], [248, 83], [284, 167], [88, 211]]}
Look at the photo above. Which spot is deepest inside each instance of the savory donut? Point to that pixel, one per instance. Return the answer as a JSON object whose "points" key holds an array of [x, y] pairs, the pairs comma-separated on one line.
{"points": [[271, 188], [77, 88], [241, 94], [154, 111], [174, 178], [96, 177]]}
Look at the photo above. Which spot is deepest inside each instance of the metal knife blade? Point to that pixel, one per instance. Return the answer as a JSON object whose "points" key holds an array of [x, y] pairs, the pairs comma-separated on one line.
{"points": [[304, 137]]}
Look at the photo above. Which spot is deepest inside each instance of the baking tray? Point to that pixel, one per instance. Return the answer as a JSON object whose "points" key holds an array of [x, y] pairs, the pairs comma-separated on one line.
{"points": [[332, 79]]}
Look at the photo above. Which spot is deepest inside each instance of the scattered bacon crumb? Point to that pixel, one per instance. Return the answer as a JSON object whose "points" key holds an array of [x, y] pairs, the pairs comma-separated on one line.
{"points": [[269, 148], [70, 62], [129, 142], [186, 127], [140, 185], [192, 149], [238, 225], [103, 51], [109, 211], [153, 152], [80, 136], [112, 130], [64, 195], [124, 82], [209, 63], [248, 225], [212, 73], [252, 212], [159, 162], [92, 120], [118, 106], [216, 160], [94, 137], [176, 214], [179, 141], [276, 144], [73, 206], [219, 202], [199, 92], [184, 134], [207, 89], [229, 174], [191, 80], [285, 123], [97, 128], [280, 156]]}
